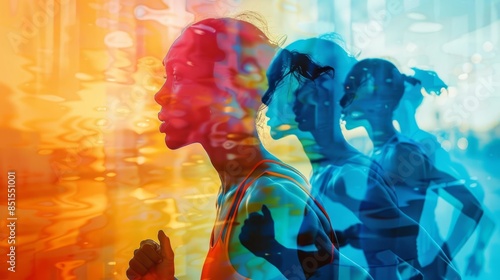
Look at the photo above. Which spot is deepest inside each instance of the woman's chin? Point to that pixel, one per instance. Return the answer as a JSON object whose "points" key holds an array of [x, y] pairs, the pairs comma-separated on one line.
{"points": [[350, 125], [303, 127], [277, 135], [174, 144]]}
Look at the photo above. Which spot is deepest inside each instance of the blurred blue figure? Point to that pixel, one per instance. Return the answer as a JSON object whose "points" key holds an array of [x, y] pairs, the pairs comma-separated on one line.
{"points": [[305, 87], [373, 90], [405, 116]]}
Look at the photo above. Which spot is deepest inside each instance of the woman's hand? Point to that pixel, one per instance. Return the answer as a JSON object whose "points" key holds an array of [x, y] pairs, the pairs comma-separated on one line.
{"points": [[475, 264], [153, 261], [257, 234]]}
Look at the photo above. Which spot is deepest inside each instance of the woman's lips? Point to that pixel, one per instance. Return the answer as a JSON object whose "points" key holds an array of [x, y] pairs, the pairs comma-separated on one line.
{"points": [[355, 114], [351, 114], [163, 127], [166, 114], [173, 123], [162, 116]]}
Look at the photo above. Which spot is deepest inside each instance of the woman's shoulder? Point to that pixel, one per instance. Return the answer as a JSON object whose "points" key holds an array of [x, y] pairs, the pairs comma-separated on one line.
{"points": [[402, 147], [282, 187], [359, 161], [279, 178]]}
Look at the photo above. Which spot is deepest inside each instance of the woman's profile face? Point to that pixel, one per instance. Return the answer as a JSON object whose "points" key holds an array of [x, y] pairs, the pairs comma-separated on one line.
{"points": [[189, 93], [358, 104], [280, 111], [214, 81], [312, 85], [282, 117], [306, 106]]}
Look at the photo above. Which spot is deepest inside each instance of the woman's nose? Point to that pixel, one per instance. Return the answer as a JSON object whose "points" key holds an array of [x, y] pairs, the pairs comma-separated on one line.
{"points": [[163, 95], [297, 107], [347, 99]]}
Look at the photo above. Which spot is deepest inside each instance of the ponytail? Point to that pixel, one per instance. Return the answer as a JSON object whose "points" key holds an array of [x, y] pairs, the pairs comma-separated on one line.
{"points": [[299, 65], [412, 80], [429, 80]]}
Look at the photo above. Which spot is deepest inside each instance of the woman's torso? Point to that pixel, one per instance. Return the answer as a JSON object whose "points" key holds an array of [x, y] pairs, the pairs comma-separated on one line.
{"points": [[218, 264]]}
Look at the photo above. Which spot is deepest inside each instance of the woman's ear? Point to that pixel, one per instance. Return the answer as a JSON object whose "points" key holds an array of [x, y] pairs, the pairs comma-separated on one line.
{"points": [[252, 72], [233, 106], [251, 77], [370, 85], [325, 95]]}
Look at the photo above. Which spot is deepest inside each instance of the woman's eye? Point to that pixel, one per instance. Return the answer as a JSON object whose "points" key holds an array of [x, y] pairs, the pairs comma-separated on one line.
{"points": [[250, 67], [302, 99], [177, 77], [311, 99], [310, 96], [306, 99]]}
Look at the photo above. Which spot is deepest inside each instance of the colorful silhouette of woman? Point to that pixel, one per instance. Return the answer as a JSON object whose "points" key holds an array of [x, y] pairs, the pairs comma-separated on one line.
{"points": [[405, 115], [215, 78], [373, 90], [306, 84]]}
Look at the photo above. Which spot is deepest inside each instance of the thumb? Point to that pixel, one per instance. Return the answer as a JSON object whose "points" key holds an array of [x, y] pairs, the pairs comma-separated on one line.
{"points": [[165, 247], [340, 187], [266, 212]]}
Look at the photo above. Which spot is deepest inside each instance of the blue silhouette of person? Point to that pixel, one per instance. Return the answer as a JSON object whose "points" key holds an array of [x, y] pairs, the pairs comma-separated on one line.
{"points": [[405, 113], [373, 90], [305, 86]]}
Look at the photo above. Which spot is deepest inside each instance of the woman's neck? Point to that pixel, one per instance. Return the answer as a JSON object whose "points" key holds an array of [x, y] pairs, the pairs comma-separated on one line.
{"points": [[234, 164], [381, 130], [332, 150], [410, 126]]}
